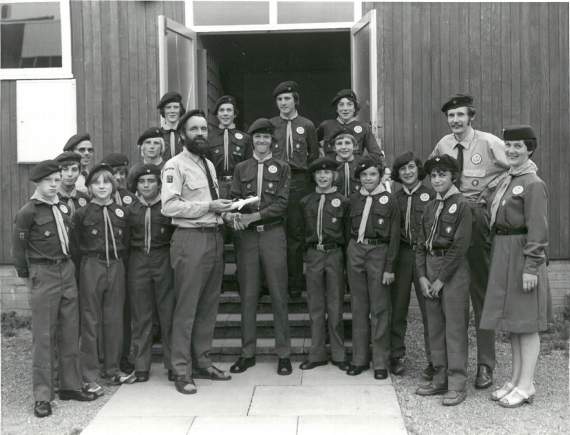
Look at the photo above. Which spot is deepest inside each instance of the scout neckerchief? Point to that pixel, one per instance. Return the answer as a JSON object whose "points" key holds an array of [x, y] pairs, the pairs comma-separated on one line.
{"points": [[68, 197], [118, 199], [59, 224], [323, 194], [289, 135], [452, 191], [340, 120], [529, 167], [147, 220], [227, 145], [347, 178], [260, 165], [366, 212], [172, 137], [108, 230], [410, 193]]}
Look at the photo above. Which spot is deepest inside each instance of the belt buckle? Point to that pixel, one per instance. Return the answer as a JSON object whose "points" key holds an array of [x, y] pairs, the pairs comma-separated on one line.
{"points": [[320, 247], [365, 242], [260, 228]]}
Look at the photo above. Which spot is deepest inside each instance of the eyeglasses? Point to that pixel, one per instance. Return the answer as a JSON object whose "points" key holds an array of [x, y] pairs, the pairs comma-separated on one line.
{"points": [[85, 150]]}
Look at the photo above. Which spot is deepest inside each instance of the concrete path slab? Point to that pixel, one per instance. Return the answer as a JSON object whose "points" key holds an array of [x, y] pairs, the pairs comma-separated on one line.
{"points": [[139, 426], [331, 375], [244, 425], [349, 424]]}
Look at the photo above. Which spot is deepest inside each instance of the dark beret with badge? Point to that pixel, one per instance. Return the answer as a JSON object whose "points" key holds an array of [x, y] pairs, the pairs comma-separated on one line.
{"points": [[323, 163], [116, 160], [344, 93], [404, 159], [149, 133], [139, 171], [444, 163], [225, 99], [74, 140], [169, 97], [98, 168], [521, 132], [283, 87], [368, 161], [261, 125], [458, 100], [44, 169], [339, 131], [68, 158]]}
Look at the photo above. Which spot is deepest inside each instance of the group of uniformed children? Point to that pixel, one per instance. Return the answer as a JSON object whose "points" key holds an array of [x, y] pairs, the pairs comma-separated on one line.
{"points": [[113, 244]]}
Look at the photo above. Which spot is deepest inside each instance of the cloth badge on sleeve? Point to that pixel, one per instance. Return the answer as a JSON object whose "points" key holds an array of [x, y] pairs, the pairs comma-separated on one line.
{"points": [[63, 208], [300, 130], [272, 169], [424, 197], [335, 202], [383, 200], [358, 129], [82, 202], [127, 199], [169, 179], [453, 208], [119, 213], [476, 159], [517, 190], [238, 136]]}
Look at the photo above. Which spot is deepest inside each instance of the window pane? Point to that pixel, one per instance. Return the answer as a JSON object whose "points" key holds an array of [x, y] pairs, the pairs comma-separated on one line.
{"points": [[230, 13], [314, 12], [180, 65], [30, 35]]}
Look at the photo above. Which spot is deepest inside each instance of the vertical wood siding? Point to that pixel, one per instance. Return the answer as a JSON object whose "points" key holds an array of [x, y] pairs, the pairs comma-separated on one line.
{"points": [[513, 59]]}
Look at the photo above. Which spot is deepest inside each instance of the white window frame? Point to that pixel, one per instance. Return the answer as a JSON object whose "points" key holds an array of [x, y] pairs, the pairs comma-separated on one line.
{"points": [[273, 26], [63, 72]]}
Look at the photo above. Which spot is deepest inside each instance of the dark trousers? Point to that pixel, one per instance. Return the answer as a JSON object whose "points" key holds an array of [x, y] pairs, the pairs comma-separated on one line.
{"points": [[102, 294], [295, 237], [256, 251], [55, 321], [151, 289], [448, 318], [370, 300], [478, 255], [325, 299], [197, 260], [405, 271]]}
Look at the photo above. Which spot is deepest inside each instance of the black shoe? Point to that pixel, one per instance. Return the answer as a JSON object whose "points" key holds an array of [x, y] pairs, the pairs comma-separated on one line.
{"points": [[212, 373], [428, 372], [356, 370], [484, 377], [42, 409], [185, 387], [141, 376], [242, 364], [309, 365], [79, 395], [171, 376], [284, 367], [431, 390], [380, 374], [397, 366], [126, 366], [452, 398], [343, 365]]}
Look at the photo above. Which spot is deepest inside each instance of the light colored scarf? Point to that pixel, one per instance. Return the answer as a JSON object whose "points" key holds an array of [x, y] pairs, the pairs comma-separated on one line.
{"points": [[366, 211]]}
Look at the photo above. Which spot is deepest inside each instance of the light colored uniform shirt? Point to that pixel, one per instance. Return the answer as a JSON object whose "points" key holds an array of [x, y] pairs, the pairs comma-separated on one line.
{"points": [[484, 162], [185, 193]]}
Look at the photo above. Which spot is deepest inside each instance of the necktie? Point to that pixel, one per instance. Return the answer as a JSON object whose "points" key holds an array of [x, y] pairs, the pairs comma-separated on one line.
{"points": [[429, 241], [459, 163], [497, 199], [109, 231], [407, 221], [226, 150], [365, 213], [61, 231], [289, 140], [172, 143], [346, 179], [320, 219], [211, 186]]}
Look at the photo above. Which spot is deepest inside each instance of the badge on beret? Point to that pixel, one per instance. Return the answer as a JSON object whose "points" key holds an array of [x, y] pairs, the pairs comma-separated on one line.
{"points": [[335, 202], [238, 136], [63, 208], [82, 202], [127, 199], [300, 130], [517, 190], [383, 200], [119, 213], [272, 169], [475, 182], [380, 221], [453, 208], [358, 129], [424, 197], [448, 230], [276, 145], [476, 159], [46, 233], [169, 178]]}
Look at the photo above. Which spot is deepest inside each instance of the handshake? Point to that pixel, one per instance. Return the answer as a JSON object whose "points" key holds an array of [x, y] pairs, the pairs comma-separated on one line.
{"points": [[239, 221]]}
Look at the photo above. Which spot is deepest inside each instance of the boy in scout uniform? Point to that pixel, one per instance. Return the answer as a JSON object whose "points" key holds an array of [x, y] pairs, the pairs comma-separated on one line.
{"points": [[346, 182], [326, 218], [150, 278], [151, 148], [295, 142], [443, 240], [372, 250], [171, 110], [346, 107], [80, 143], [228, 145], [482, 165], [70, 163], [42, 257], [260, 242], [412, 199]]}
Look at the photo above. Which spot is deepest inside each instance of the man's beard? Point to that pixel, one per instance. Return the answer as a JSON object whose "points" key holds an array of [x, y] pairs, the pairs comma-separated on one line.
{"points": [[197, 145]]}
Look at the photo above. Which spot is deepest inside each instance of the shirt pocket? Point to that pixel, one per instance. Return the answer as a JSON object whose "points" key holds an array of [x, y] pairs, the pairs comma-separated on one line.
{"points": [[332, 220], [196, 183], [380, 215], [93, 228], [447, 226], [271, 183], [44, 228], [249, 185]]}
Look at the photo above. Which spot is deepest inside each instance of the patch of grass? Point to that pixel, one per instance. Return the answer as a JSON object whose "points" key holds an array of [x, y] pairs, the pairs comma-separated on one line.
{"points": [[558, 334], [12, 321]]}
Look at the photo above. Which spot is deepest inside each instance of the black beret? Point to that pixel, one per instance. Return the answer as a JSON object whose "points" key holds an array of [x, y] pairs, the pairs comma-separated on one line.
{"points": [[44, 169], [323, 163], [288, 86], [169, 97], [261, 125], [404, 159], [340, 131], [519, 132], [140, 170], [75, 140], [149, 133], [188, 115], [458, 100], [98, 167], [225, 99], [444, 162], [366, 162], [68, 157], [344, 93], [115, 159]]}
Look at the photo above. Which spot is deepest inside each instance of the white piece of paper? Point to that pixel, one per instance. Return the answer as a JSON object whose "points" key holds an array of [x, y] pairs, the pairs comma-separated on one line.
{"points": [[237, 205]]}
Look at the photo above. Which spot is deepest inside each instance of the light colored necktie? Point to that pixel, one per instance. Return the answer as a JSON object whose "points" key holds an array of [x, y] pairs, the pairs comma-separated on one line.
{"points": [[346, 179], [226, 150], [289, 140], [109, 230], [172, 143], [497, 199], [429, 242], [365, 213], [61, 231], [320, 219], [410, 194]]}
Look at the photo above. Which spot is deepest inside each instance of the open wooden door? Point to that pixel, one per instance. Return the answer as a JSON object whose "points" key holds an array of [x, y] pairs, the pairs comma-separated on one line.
{"points": [[364, 69]]}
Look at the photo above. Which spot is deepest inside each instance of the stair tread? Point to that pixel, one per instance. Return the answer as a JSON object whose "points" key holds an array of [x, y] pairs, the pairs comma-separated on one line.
{"points": [[267, 317]]}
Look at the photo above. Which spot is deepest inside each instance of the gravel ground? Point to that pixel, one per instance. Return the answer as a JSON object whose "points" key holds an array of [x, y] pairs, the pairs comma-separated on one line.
{"points": [[425, 415], [17, 401]]}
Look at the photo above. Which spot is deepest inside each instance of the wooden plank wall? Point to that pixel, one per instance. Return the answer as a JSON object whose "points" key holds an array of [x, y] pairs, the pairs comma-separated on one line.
{"points": [[512, 57]]}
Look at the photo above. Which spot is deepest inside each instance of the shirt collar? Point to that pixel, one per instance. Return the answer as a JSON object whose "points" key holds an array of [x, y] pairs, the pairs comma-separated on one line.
{"points": [[40, 198], [232, 126], [267, 157], [379, 189], [67, 194], [331, 189], [414, 189], [345, 161], [452, 191], [292, 117], [148, 204], [468, 138], [340, 121]]}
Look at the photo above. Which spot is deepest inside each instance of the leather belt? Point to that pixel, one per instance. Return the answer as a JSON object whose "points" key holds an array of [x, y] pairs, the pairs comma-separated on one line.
{"points": [[510, 231], [438, 252], [50, 261], [324, 247], [264, 227], [102, 257], [226, 178], [212, 229], [372, 242]]}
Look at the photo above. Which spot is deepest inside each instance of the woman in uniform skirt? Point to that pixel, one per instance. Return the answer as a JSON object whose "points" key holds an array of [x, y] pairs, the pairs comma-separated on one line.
{"points": [[517, 292]]}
